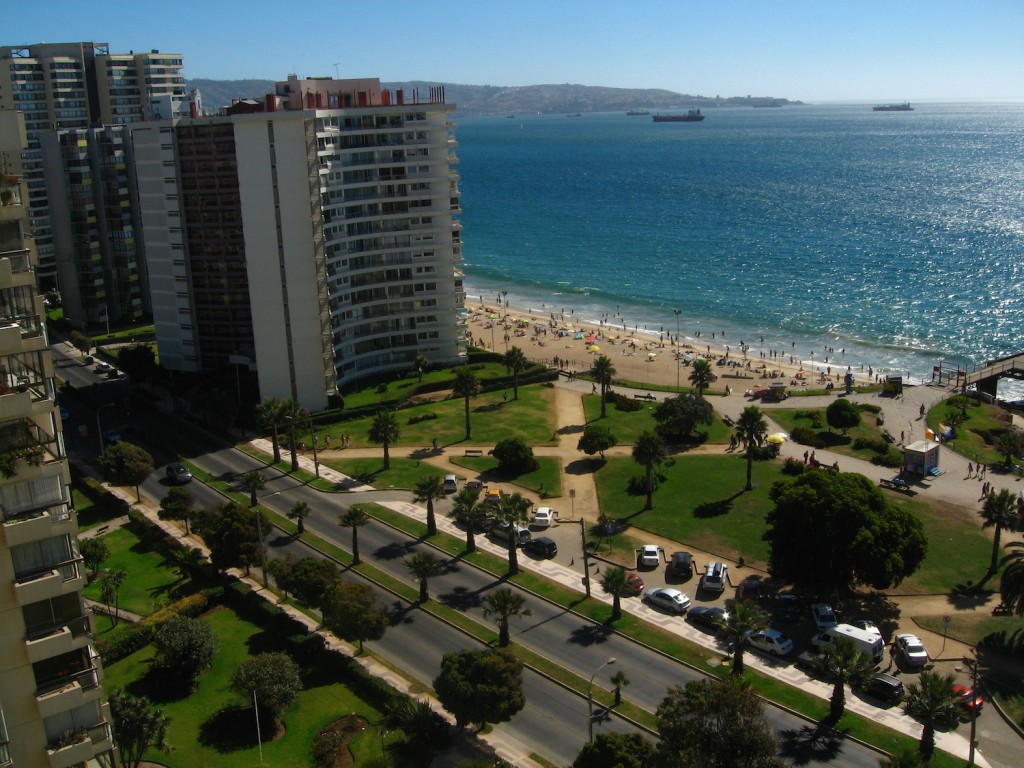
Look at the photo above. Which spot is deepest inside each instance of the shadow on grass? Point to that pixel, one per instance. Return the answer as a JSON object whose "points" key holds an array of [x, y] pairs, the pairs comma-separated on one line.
{"points": [[160, 686], [584, 466], [461, 599], [230, 730], [818, 743]]}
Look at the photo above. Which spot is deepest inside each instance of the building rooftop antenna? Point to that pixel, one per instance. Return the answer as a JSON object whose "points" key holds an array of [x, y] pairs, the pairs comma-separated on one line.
{"points": [[336, 75]]}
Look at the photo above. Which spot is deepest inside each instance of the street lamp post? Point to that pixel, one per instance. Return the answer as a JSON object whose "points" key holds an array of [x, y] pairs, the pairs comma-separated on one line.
{"points": [[677, 313], [590, 698]]}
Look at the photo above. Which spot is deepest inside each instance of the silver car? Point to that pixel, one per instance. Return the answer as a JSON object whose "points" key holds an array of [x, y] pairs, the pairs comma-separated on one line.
{"points": [[670, 599]]}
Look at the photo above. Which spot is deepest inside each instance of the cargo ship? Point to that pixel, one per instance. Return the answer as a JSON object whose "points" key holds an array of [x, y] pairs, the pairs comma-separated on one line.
{"points": [[904, 107], [693, 116]]}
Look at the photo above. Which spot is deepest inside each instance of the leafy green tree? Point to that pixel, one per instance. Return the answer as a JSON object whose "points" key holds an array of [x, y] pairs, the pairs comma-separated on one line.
{"points": [[932, 702], [514, 456], [616, 750], [596, 439], [138, 361], [715, 724], [649, 452], [829, 532], [270, 414], [678, 416], [275, 680], [998, 512], [93, 551], [466, 386], [177, 504], [1011, 585], [603, 372], [480, 686], [299, 512], [842, 414], [126, 464], [420, 364], [138, 726], [751, 429], [504, 604], [701, 376], [512, 510], [110, 593], [1010, 444], [742, 621], [515, 361], [354, 517], [429, 488], [187, 561], [842, 664], [231, 535], [471, 512], [385, 430], [614, 583], [306, 579], [352, 612], [252, 482], [185, 647], [423, 566]]}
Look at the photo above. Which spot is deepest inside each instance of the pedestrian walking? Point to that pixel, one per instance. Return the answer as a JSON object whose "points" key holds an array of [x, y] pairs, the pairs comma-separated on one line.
{"points": [[970, 469]]}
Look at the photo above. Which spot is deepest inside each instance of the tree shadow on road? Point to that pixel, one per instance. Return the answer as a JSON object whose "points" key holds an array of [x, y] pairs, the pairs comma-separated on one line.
{"points": [[591, 634], [818, 743]]}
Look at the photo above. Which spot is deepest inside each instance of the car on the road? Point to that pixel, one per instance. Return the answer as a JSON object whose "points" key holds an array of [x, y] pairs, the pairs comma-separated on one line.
{"points": [[771, 641], [823, 615], [542, 546], [708, 616], [888, 688], [868, 626], [177, 474], [680, 565], [636, 584], [649, 556], [103, 368], [911, 650], [668, 598], [543, 517], [970, 700]]}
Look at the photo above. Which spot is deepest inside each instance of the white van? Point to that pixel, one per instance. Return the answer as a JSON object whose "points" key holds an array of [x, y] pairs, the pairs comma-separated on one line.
{"points": [[516, 532], [451, 484], [715, 577], [868, 643]]}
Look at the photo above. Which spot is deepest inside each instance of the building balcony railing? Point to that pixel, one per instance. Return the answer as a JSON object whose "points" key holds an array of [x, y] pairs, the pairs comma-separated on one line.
{"points": [[51, 582], [36, 524], [55, 641]]}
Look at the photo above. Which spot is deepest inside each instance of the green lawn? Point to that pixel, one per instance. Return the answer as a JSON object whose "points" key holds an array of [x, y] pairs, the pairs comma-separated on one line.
{"points": [[546, 480], [628, 425], [404, 473], [834, 440], [976, 437]]}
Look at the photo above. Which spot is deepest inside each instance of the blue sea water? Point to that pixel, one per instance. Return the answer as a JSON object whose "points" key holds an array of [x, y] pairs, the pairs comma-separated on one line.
{"points": [[897, 237]]}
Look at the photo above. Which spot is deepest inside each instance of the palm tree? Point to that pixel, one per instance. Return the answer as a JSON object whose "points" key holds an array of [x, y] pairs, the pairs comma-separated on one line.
{"points": [[701, 376], [385, 430], [614, 583], [620, 681], [649, 452], [429, 488], [906, 758], [511, 511], [110, 593], [299, 512], [251, 482], [291, 414], [1009, 444], [842, 664], [1011, 585], [423, 566], [465, 386], [932, 702], [468, 510], [187, 561], [354, 517], [515, 361], [420, 363], [603, 370], [751, 429], [504, 604], [742, 621], [270, 415], [999, 512]]}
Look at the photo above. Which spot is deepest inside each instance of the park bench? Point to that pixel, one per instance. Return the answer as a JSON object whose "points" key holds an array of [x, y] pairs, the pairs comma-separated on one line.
{"points": [[474, 452], [895, 484], [644, 397]]}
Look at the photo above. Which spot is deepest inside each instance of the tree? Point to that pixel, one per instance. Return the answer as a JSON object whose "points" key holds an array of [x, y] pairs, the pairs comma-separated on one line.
{"points": [[429, 488], [93, 551], [842, 414], [468, 510], [515, 361], [177, 504], [751, 429], [420, 364], [138, 361], [514, 456], [354, 517], [188, 561], [426, 731], [615, 583], [715, 724], [385, 430], [932, 702], [1011, 585], [511, 511], [480, 686], [603, 371], [503, 604], [649, 452], [701, 376], [1010, 444], [829, 532], [270, 414], [185, 647], [905, 758], [231, 535], [616, 750], [110, 593], [620, 681], [291, 414], [842, 664], [126, 464], [273, 678], [423, 566], [306, 579], [466, 386], [678, 416], [252, 482], [299, 512], [138, 727], [743, 620], [351, 611], [999, 511], [596, 439]]}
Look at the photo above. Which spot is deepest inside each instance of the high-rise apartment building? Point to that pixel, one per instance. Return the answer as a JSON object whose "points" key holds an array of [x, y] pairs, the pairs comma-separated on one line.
{"points": [[52, 712], [312, 232]]}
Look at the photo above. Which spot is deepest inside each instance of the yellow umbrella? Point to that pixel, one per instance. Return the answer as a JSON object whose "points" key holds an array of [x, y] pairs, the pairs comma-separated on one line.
{"points": [[594, 348], [778, 438]]}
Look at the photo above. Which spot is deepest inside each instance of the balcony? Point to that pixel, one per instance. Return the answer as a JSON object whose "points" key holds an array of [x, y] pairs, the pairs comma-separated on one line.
{"points": [[76, 753], [77, 690], [37, 525], [59, 640], [63, 579]]}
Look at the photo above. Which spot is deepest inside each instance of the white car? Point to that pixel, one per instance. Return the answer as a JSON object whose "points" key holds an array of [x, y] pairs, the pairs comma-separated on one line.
{"points": [[543, 517], [771, 641], [868, 626], [824, 616], [649, 557], [667, 598], [911, 650]]}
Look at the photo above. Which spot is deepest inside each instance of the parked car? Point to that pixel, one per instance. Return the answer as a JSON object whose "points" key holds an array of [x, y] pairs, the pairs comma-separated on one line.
{"points": [[716, 576], [636, 584], [771, 641], [102, 368], [708, 616], [885, 687], [751, 588], [544, 517], [823, 615], [787, 608], [649, 556], [668, 598], [492, 496], [970, 700], [542, 546], [477, 484], [177, 474], [506, 531], [911, 650], [451, 484], [868, 626], [680, 565]]}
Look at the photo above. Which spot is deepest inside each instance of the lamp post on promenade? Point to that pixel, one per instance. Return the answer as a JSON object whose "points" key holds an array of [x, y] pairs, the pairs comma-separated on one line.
{"points": [[677, 313], [590, 698]]}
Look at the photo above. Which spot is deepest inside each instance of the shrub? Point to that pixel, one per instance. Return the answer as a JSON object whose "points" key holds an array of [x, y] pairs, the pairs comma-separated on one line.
{"points": [[625, 404], [765, 452], [878, 446], [422, 417], [869, 407], [514, 456], [806, 436], [892, 459], [793, 466]]}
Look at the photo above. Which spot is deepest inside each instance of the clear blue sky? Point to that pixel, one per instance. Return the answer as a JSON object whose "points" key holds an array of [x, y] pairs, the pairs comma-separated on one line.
{"points": [[812, 50]]}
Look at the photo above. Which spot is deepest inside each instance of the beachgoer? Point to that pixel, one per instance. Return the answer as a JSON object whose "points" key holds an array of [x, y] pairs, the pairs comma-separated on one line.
{"points": [[921, 411], [970, 469], [327, 441], [435, 443]]}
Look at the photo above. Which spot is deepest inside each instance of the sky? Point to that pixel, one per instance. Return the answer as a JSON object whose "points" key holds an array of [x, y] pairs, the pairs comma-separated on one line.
{"points": [[808, 50]]}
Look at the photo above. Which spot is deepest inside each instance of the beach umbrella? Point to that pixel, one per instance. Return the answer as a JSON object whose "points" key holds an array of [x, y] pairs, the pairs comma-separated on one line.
{"points": [[594, 348], [650, 357], [579, 335], [778, 438]]}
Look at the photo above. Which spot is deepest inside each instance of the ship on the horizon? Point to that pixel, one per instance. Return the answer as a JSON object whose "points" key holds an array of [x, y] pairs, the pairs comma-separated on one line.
{"points": [[904, 107], [634, 112], [693, 116]]}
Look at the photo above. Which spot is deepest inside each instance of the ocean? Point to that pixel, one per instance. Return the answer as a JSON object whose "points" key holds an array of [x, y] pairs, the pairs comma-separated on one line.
{"points": [[886, 239]]}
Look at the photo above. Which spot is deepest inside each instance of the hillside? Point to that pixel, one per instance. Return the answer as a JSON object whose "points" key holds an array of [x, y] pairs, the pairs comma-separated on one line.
{"points": [[502, 100]]}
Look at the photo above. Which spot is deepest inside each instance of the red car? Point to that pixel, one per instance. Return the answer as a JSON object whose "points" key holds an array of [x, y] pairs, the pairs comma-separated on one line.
{"points": [[636, 584], [972, 701]]}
